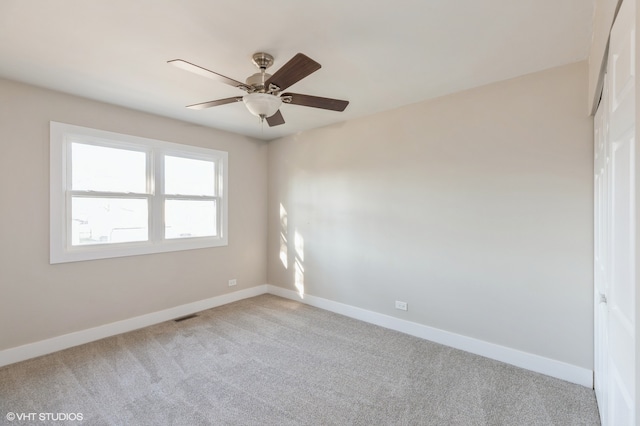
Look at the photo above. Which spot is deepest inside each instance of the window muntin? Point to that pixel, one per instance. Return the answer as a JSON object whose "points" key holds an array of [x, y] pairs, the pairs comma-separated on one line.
{"points": [[118, 195]]}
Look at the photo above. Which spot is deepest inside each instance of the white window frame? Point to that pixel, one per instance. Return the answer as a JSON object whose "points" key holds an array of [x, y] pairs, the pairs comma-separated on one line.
{"points": [[61, 249]]}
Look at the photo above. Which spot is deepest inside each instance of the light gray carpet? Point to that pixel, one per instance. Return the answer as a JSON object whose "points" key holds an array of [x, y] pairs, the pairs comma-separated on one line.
{"points": [[272, 361]]}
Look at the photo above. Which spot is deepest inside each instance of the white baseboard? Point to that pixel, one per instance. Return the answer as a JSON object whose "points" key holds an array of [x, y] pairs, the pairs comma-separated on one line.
{"points": [[539, 364], [528, 361], [54, 344]]}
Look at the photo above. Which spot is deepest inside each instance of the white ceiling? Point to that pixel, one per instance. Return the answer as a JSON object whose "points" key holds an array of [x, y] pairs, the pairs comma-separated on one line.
{"points": [[379, 55]]}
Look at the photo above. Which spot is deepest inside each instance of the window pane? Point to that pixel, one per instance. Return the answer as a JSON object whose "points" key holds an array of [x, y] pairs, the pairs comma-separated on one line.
{"points": [[187, 176], [108, 220], [98, 168], [189, 218]]}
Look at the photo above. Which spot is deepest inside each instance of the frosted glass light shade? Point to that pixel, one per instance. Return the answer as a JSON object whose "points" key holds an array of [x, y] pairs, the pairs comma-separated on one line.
{"points": [[262, 104]]}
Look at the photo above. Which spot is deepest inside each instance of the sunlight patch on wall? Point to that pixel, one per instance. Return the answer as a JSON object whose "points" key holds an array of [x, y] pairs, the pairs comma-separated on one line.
{"points": [[284, 251], [299, 279], [299, 246], [299, 272]]}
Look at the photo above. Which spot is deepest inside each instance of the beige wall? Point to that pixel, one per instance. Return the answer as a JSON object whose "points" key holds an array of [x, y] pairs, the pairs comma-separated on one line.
{"points": [[475, 208], [38, 300]]}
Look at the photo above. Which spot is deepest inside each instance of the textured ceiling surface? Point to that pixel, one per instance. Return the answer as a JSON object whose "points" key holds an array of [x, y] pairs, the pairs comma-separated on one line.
{"points": [[377, 55]]}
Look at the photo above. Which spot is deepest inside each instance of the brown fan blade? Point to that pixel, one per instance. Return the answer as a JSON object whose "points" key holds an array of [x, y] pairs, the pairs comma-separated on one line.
{"points": [[210, 104], [276, 119], [316, 101], [188, 66], [293, 71]]}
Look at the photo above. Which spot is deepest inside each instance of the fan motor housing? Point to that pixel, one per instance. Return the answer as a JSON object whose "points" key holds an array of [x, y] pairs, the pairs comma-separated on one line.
{"points": [[256, 81]]}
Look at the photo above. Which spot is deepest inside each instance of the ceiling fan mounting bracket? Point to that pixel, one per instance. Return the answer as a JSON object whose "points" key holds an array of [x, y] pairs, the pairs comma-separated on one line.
{"points": [[262, 60]]}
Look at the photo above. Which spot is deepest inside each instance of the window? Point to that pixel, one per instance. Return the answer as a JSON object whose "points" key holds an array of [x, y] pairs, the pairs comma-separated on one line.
{"points": [[116, 195]]}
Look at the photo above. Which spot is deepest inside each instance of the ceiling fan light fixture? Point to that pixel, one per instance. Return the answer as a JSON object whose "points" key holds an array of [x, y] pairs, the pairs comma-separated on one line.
{"points": [[262, 104]]}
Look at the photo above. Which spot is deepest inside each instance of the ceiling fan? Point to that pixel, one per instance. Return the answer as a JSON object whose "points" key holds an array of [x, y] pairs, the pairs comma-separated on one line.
{"points": [[264, 91]]}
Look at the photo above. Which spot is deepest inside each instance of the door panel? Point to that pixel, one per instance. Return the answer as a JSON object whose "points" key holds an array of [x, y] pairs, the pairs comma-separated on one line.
{"points": [[614, 229], [619, 198], [601, 159], [621, 315]]}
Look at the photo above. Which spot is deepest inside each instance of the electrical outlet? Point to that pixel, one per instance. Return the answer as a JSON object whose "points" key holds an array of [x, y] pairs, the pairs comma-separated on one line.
{"points": [[232, 282], [401, 305]]}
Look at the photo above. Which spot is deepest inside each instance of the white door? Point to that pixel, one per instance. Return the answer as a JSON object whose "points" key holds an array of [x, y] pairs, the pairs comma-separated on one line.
{"points": [[615, 227], [601, 252]]}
